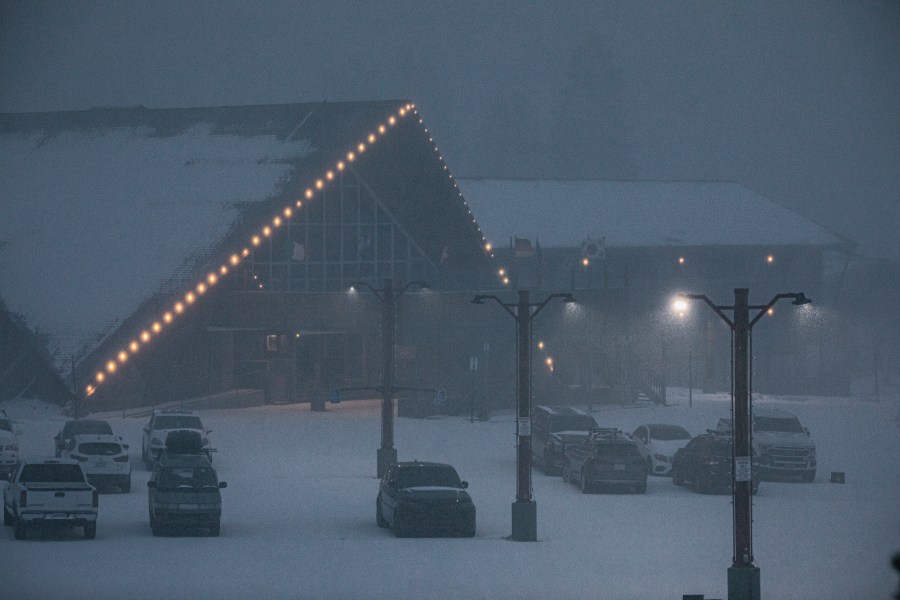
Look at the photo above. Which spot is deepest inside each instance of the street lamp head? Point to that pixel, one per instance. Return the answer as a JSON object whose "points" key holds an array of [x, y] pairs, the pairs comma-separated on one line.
{"points": [[801, 299]]}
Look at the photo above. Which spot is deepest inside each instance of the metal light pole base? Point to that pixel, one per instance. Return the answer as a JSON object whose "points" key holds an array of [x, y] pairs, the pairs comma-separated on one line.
{"points": [[743, 583], [386, 457], [524, 521]]}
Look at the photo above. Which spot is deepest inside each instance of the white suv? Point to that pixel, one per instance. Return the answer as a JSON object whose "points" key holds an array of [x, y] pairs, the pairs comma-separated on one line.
{"points": [[164, 422], [103, 458], [9, 443]]}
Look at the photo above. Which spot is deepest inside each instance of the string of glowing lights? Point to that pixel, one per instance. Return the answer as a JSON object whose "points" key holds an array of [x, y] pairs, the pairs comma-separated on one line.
{"points": [[213, 277]]}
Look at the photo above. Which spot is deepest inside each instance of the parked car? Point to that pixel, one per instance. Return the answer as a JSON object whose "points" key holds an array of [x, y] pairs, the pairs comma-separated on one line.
{"points": [[75, 427], [104, 459], [606, 458], [163, 422], [422, 497], [658, 443], [49, 492], [783, 446], [553, 428], [183, 492], [705, 464], [9, 443]]}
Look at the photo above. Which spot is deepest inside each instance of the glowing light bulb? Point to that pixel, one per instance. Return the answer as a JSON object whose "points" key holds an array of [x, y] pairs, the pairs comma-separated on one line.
{"points": [[770, 312], [245, 252], [506, 281], [402, 111], [145, 336], [212, 278], [156, 327], [308, 193], [190, 297], [361, 148], [288, 212], [351, 157], [329, 175], [100, 377], [123, 356], [255, 240], [680, 260], [382, 129], [502, 272], [319, 184], [585, 261], [340, 166], [371, 138], [276, 221], [540, 344], [235, 259], [488, 247], [392, 120], [168, 317], [267, 231], [133, 346], [111, 367], [299, 204], [770, 259], [223, 270], [89, 390]]}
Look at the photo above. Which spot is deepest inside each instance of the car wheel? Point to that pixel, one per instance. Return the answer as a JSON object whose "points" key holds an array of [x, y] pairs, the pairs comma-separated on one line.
{"points": [[398, 526], [90, 531], [8, 518], [677, 479], [21, 529], [469, 530], [379, 515], [585, 486]]}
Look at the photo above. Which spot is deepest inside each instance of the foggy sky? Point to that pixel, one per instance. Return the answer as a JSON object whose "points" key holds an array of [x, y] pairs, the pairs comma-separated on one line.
{"points": [[796, 100]]}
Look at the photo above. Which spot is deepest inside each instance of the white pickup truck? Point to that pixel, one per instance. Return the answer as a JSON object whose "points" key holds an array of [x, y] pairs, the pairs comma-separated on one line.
{"points": [[49, 492]]}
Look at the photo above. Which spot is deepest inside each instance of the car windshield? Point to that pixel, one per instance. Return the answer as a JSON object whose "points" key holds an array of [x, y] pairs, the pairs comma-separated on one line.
{"points": [[427, 477], [176, 477], [5, 425], [99, 448], [668, 433], [89, 428], [614, 449], [52, 473], [784, 425], [177, 422], [572, 423]]}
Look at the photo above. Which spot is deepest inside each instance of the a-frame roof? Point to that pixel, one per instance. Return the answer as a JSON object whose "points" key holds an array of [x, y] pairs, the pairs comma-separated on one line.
{"points": [[105, 208]]}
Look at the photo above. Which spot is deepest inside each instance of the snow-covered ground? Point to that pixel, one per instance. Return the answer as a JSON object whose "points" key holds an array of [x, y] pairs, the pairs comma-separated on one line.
{"points": [[299, 516]]}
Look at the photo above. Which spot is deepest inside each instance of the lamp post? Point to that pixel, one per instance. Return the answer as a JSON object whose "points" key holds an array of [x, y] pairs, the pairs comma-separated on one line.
{"points": [[743, 575], [388, 295], [524, 509]]}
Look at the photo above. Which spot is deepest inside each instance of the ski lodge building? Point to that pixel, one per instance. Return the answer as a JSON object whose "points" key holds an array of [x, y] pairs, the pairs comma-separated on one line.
{"points": [[169, 255]]}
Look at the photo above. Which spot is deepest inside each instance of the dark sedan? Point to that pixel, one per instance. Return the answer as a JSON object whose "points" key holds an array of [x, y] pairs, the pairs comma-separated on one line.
{"points": [[704, 464], [417, 498]]}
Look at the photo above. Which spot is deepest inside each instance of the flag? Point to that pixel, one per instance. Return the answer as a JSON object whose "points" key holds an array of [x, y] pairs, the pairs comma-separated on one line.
{"points": [[299, 254], [523, 248]]}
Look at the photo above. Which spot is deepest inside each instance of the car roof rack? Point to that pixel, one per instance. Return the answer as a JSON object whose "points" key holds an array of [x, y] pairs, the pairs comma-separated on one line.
{"points": [[608, 432]]}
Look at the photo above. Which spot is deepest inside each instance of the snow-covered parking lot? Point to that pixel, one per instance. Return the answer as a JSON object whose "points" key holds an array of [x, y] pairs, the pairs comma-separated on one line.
{"points": [[299, 516]]}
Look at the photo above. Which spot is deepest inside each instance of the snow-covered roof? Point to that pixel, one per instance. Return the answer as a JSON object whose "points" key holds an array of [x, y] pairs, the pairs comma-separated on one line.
{"points": [[105, 208], [564, 213]]}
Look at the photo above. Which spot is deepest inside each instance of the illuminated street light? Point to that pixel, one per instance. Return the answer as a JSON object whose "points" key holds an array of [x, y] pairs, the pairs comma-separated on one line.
{"points": [[743, 575], [524, 509]]}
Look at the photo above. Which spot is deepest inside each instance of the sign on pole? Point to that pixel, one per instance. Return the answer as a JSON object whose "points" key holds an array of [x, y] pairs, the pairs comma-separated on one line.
{"points": [[742, 471]]}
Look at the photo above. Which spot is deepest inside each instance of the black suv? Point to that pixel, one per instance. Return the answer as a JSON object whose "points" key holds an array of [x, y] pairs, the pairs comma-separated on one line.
{"points": [[183, 490], [555, 428], [607, 458], [704, 464], [419, 497]]}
